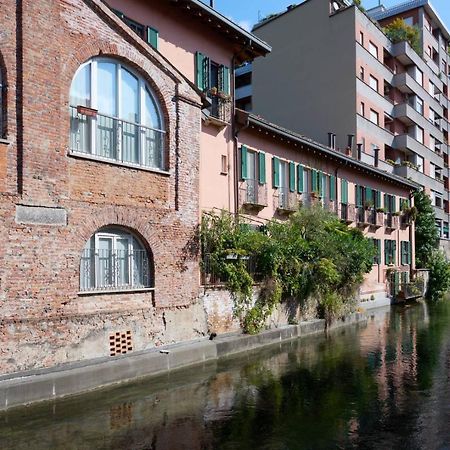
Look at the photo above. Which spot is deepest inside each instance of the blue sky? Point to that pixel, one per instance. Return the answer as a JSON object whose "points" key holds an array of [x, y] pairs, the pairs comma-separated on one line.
{"points": [[246, 12]]}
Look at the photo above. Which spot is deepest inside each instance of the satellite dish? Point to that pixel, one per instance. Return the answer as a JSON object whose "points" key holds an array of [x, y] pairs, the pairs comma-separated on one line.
{"points": [[336, 6]]}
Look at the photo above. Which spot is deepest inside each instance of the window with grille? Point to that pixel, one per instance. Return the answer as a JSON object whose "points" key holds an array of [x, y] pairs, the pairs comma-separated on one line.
{"points": [[114, 259], [114, 116]]}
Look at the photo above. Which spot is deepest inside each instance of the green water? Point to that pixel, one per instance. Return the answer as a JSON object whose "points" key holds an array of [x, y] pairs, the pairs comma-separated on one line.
{"points": [[381, 386]]}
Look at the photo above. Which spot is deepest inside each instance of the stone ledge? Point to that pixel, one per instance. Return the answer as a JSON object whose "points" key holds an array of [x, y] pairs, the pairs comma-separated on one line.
{"points": [[75, 378], [41, 215]]}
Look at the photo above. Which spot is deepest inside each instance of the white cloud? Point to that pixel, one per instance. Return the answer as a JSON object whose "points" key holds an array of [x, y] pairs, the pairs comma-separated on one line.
{"points": [[245, 24]]}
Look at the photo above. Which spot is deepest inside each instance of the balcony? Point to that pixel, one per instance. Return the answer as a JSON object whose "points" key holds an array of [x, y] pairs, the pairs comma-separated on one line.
{"points": [[219, 113], [252, 195], [110, 139], [367, 127], [407, 143], [286, 201], [243, 92], [391, 221], [408, 85], [347, 213], [420, 178]]}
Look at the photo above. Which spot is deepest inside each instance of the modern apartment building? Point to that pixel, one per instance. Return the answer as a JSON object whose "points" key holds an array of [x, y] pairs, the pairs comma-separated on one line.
{"points": [[335, 76]]}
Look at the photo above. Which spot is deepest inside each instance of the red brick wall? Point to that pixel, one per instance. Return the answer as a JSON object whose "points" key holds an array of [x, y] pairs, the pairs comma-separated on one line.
{"points": [[44, 321]]}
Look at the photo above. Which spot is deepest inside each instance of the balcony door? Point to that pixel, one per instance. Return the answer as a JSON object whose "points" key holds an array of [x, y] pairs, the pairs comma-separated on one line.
{"points": [[284, 183], [252, 177]]}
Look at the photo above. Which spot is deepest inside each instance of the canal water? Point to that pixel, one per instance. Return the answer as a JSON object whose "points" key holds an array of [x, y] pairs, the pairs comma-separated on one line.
{"points": [[384, 385]]}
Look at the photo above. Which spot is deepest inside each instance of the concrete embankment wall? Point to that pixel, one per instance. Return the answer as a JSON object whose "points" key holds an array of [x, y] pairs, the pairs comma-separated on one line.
{"points": [[48, 384]]}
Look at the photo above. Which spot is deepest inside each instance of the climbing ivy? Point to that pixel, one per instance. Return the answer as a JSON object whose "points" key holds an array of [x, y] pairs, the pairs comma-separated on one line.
{"points": [[311, 255]]}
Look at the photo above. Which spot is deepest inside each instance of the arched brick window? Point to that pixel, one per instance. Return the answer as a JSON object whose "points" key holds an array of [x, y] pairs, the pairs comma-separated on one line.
{"points": [[115, 259], [114, 116]]}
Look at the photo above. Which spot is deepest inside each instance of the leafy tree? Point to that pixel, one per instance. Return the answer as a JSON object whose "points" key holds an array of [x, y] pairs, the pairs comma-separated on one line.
{"points": [[427, 236], [439, 268], [358, 3], [399, 31]]}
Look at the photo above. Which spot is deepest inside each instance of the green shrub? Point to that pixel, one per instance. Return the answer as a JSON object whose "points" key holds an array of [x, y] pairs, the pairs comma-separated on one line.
{"points": [[439, 269], [399, 31]]}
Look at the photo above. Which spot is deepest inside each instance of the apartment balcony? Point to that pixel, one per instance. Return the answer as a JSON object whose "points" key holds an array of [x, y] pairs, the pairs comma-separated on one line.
{"points": [[365, 56], [368, 128], [375, 97], [410, 145], [407, 56], [252, 195], [420, 178], [347, 213], [243, 92], [408, 85], [219, 113], [409, 116], [285, 201], [369, 217], [391, 221], [441, 214]]}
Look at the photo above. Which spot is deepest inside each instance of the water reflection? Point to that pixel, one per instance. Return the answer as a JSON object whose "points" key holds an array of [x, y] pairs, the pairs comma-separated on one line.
{"points": [[384, 385]]}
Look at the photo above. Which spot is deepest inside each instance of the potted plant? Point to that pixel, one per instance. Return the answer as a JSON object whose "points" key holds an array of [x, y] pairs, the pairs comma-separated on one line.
{"points": [[381, 210], [368, 204]]}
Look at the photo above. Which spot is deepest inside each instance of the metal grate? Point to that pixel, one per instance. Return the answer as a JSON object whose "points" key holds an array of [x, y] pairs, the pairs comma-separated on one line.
{"points": [[120, 343]]}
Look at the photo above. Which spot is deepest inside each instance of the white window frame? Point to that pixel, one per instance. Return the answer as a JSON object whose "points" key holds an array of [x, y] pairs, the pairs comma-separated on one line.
{"points": [[374, 83], [373, 49], [374, 114], [93, 103]]}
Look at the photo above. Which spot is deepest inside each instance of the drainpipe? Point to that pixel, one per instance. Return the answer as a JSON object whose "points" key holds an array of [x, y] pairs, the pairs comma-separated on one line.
{"points": [[412, 239]]}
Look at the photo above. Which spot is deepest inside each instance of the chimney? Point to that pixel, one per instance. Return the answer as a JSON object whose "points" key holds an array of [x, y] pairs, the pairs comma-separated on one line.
{"points": [[332, 141], [211, 3], [359, 151]]}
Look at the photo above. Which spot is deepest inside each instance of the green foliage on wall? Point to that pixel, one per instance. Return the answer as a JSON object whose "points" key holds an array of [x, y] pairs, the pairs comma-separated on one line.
{"points": [[311, 255]]}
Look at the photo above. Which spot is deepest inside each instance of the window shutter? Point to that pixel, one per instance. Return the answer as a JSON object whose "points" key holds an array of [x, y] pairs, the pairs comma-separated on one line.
{"points": [[314, 184], [292, 177], [344, 191], [262, 167], [152, 37], [300, 179], [332, 188], [402, 251], [409, 261], [394, 252], [377, 199], [244, 159], [386, 252], [202, 71], [224, 80], [276, 172], [379, 251], [358, 196], [369, 195]]}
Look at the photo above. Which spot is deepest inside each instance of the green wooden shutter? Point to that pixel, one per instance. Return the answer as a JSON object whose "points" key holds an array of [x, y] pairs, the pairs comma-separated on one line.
{"points": [[224, 76], [202, 71], [402, 252], [300, 179], [344, 191], [314, 181], [394, 252], [377, 199], [386, 252], [262, 167], [369, 194], [152, 37], [396, 282], [244, 163], [358, 195], [332, 187], [292, 177], [409, 260], [276, 172], [379, 251]]}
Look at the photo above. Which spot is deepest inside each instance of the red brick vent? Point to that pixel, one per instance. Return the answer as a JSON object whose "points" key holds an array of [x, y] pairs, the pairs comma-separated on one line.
{"points": [[120, 343]]}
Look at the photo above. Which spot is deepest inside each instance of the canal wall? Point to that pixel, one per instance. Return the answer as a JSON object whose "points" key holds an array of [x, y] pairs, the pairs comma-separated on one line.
{"points": [[75, 378]]}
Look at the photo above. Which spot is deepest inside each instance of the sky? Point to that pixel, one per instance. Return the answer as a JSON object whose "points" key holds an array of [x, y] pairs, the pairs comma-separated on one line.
{"points": [[247, 12]]}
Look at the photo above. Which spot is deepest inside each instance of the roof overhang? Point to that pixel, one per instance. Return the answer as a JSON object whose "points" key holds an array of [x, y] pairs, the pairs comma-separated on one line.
{"points": [[250, 45], [247, 119]]}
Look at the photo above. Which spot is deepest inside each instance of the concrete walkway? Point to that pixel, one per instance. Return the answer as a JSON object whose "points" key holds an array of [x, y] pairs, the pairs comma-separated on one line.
{"points": [[75, 378]]}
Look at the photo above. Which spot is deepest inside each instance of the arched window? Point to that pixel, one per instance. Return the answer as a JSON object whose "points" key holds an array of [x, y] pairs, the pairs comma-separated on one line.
{"points": [[114, 116], [114, 259]]}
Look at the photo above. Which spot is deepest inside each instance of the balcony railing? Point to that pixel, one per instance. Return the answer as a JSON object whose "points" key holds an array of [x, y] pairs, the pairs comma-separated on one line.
{"points": [[374, 218], [286, 201], [347, 212], [220, 108], [252, 194], [391, 221], [104, 270], [114, 139]]}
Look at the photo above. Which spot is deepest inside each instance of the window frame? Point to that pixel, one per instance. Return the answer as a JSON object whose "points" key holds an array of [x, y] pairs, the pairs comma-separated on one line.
{"points": [[134, 244], [143, 90]]}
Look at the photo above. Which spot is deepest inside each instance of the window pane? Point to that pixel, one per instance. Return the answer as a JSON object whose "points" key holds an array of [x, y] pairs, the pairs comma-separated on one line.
{"points": [[107, 88], [122, 256], [129, 111], [105, 265], [151, 114], [80, 91]]}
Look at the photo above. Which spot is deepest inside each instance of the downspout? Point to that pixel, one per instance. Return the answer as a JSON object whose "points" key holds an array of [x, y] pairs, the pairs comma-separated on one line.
{"points": [[412, 239]]}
